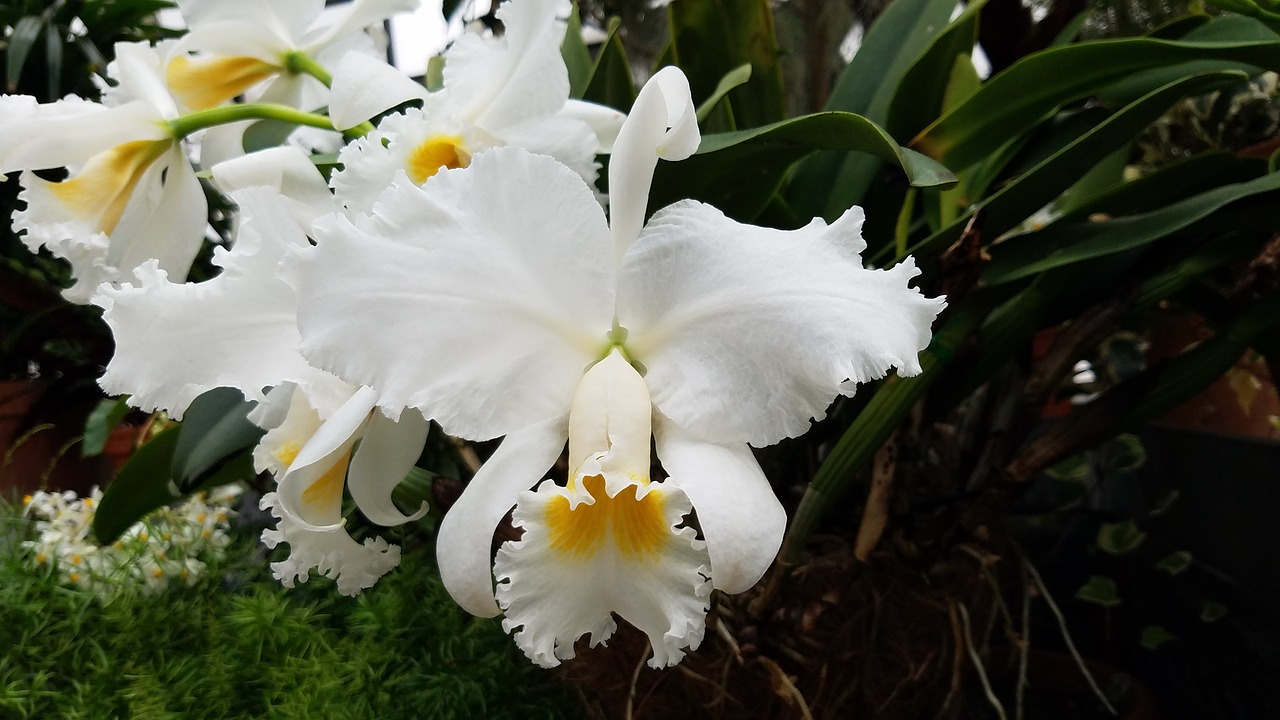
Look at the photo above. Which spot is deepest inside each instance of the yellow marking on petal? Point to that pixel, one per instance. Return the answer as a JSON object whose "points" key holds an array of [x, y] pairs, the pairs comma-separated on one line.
{"points": [[88, 502], [41, 559], [637, 527], [326, 491], [26, 499], [103, 187], [287, 453], [75, 559], [436, 152], [74, 577], [206, 82], [143, 536], [158, 572]]}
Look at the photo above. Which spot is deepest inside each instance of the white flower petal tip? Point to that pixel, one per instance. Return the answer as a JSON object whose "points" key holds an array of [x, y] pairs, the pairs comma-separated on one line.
{"points": [[331, 552], [585, 555], [364, 87]]}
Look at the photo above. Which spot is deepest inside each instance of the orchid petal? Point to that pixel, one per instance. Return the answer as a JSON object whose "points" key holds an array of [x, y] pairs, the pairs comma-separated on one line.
{"points": [[176, 341], [748, 332], [465, 539], [287, 170], [603, 120], [385, 456], [69, 132], [741, 518], [498, 83], [311, 489], [171, 229], [485, 298], [585, 554], [364, 87], [329, 550], [664, 102], [356, 17]]}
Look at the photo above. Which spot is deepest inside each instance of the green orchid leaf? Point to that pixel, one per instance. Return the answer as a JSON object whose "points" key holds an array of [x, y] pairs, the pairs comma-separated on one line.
{"points": [[1062, 243], [1153, 636], [611, 82], [215, 429], [1099, 590], [1019, 98], [25, 33], [711, 39], [830, 182], [738, 172], [1212, 611], [732, 79], [921, 96], [1175, 563], [577, 58], [1064, 165], [97, 428], [1120, 538], [143, 484]]}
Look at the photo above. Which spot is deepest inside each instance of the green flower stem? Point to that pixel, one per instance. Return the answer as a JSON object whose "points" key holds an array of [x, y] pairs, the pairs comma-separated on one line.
{"points": [[205, 119], [300, 63]]}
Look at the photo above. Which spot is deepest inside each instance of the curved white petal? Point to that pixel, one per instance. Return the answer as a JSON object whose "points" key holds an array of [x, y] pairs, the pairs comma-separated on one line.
{"points": [[662, 123], [603, 120], [264, 38], [741, 519], [585, 554], [168, 226], [385, 456], [465, 540], [497, 83], [364, 87], [331, 551], [71, 131], [175, 341], [748, 332], [138, 70], [609, 425], [287, 170], [311, 489], [357, 16], [457, 304], [566, 139]]}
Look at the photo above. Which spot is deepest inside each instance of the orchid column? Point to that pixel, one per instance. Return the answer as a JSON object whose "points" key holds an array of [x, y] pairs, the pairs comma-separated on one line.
{"points": [[498, 300]]}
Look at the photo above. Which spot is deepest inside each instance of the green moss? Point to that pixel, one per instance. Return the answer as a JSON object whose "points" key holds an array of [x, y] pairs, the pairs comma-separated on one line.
{"points": [[236, 644]]}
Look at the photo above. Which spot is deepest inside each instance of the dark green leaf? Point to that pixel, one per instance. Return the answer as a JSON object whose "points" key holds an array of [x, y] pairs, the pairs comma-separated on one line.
{"points": [[1153, 636], [97, 428], [577, 59], [1212, 611], [738, 172], [144, 484], [731, 80], [711, 39], [25, 32], [921, 94], [829, 183], [1020, 97], [53, 59], [1048, 178], [1099, 590], [1120, 538], [611, 82], [214, 429], [1175, 563], [1066, 243]]}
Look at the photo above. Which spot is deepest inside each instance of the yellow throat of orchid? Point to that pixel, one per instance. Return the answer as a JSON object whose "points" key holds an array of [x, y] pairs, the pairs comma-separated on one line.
{"points": [[101, 190], [447, 152], [610, 428]]}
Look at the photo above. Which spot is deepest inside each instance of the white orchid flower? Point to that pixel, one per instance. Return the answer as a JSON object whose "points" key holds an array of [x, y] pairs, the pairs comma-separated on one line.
{"points": [[132, 195], [242, 44], [512, 90], [498, 300], [175, 341]]}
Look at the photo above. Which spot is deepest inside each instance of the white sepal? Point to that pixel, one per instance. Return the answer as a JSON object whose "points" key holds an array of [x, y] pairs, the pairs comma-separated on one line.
{"points": [[364, 87]]}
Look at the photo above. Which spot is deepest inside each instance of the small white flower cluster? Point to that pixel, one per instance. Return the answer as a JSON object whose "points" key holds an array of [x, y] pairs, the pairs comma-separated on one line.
{"points": [[169, 544]]}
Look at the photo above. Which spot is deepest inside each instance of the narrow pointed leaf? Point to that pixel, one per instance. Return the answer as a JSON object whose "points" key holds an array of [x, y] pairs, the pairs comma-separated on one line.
{"points": [[611, 82], [25, 33], [143, 484], [738, 172]]}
